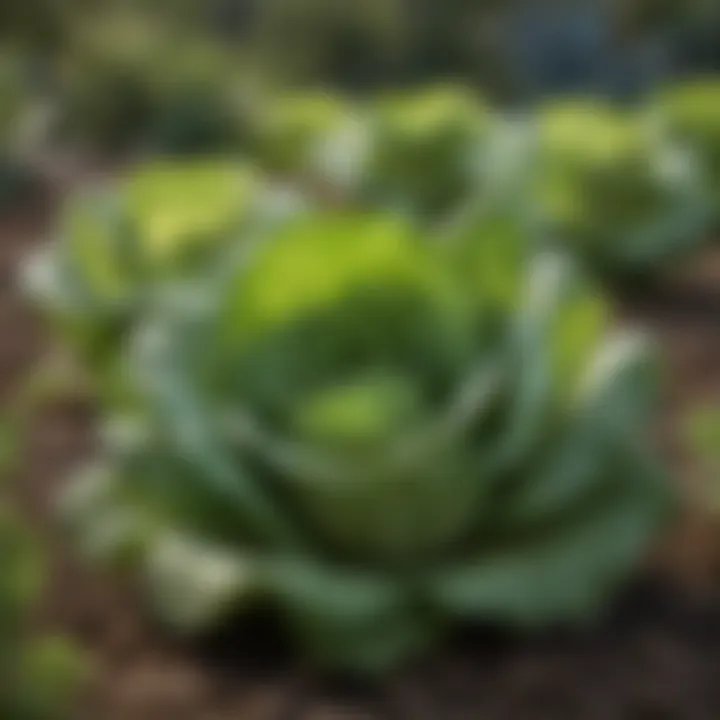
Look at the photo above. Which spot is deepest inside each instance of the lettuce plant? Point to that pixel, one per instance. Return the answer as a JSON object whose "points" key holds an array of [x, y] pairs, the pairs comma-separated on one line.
{"points": [[38, 676], [122, 250], [427, 148], [691, 114], [417, 152], [379, 435], [291, 129], [615, 190]]}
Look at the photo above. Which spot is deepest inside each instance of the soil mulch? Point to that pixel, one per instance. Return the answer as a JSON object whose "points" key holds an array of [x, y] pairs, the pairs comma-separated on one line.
{"points": [[655, 657]]}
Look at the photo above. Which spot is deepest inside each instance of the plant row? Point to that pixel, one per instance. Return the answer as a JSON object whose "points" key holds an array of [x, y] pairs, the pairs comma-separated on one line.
{"points": [[629, 190]]}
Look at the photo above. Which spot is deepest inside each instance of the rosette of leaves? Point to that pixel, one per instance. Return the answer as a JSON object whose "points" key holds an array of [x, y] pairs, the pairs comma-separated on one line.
{"points": [[291, 129], [38, 676], [616, 191], [379, 435], [690, 113], [156, 238], [422, 153], [427, 149]]}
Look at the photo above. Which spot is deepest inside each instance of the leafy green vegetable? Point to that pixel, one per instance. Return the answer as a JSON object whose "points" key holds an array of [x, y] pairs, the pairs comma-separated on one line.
{"points": [[691, 114], [615, 190], [377, 423], [423, 152], [619, 189], [370, 432], [291, 128], [123, 251], [428, 147]]}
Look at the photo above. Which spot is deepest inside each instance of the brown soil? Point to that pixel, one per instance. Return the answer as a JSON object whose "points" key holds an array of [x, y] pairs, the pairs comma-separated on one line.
{"points": [[655, 657]]}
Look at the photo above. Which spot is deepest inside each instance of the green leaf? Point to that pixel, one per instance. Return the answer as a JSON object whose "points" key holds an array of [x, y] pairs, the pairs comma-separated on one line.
{"points": [[370, 410], [621, 385], [570, 570], [174, 206], [561, 322], [346, 619], [614, 406]]}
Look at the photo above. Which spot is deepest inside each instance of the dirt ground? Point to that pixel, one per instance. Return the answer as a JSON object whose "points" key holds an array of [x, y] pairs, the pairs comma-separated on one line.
{"points": [[655, 657]]}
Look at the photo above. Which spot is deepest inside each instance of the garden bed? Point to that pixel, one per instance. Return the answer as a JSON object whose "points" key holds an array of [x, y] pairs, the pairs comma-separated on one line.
{"points": [[656, 656]]}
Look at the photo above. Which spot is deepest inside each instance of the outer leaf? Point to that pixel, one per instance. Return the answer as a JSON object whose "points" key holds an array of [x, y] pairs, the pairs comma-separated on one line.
{"points": [[570, 569], [349, 620]]}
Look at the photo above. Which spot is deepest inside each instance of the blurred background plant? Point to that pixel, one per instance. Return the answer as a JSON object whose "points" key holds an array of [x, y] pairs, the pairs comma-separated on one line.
{"points": [[179, 76], [128, 82], [690, 114], [702, 433], [39, 676], [617, 192], [22, 125], [120, 247]]}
